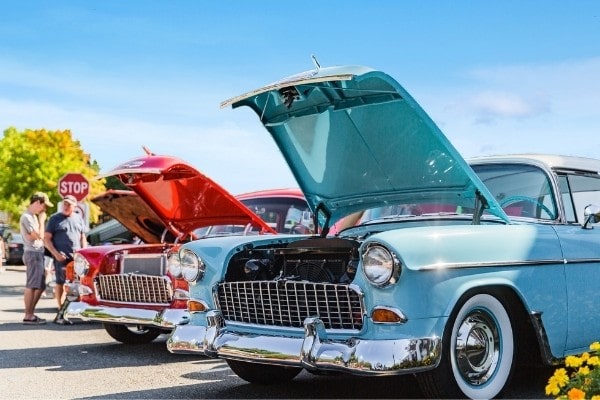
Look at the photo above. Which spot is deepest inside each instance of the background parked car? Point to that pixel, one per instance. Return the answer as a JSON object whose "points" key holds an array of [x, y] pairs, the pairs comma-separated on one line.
{"points": [[109, 232], [14, 248]]}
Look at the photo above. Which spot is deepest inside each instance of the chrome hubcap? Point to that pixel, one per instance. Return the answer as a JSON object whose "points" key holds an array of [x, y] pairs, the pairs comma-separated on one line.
{"points": [[477, 348]]}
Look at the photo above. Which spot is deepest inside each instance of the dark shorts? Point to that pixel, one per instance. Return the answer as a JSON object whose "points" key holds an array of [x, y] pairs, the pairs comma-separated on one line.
{"points": [[36, 273], [59, 272]]}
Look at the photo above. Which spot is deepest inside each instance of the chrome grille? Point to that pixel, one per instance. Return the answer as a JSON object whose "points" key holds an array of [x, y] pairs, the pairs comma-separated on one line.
{"points": [[289, 303], [130, 288]]}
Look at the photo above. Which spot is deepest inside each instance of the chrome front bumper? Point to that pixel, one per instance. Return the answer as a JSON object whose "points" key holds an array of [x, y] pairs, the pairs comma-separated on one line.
{"points": [[165, 319], [314, 351]]}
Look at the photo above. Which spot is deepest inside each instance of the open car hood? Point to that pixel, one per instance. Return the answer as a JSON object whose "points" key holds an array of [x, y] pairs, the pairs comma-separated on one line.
{"points": [[133, 213], [355, 139], [180, 197]]}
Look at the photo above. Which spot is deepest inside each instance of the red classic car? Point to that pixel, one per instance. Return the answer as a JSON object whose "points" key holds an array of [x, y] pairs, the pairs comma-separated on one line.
{"points": [[130, 288]]}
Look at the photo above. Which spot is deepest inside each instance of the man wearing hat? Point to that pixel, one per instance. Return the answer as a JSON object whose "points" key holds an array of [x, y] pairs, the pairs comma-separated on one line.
{"points": [[32, 230], [65, 233]]}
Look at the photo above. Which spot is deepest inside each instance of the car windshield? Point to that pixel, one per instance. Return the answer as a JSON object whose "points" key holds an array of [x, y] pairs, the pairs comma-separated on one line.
{"points": [[284, 215], [521, 190]]}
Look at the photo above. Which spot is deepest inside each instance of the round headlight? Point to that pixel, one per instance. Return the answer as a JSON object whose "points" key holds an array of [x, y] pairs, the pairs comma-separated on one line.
{"points": [[174, 265], [80, 265], [379, 265], [192, 268]]}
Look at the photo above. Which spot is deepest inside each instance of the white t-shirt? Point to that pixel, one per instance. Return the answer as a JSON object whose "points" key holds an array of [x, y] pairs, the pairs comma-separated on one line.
{"points": [[30, 223]]}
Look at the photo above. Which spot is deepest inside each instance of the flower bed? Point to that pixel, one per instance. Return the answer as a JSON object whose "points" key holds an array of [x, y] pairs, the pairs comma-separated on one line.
{"points": [[580, 379]]}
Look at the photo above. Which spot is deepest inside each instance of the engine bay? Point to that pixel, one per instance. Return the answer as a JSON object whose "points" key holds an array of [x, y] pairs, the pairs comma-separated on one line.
{"points": [[325, 260]]}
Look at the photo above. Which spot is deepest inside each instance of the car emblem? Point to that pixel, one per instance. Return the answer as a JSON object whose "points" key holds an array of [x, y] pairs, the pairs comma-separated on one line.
{"points": [[133, 164]]}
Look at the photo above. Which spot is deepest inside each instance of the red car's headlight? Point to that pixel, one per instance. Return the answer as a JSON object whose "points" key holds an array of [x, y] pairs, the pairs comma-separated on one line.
{"points": [[80, 265]]}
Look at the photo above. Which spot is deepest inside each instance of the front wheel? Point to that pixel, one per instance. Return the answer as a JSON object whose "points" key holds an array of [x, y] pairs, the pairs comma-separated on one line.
{"points": [[478, 352], [132, 335], [262, 373]]}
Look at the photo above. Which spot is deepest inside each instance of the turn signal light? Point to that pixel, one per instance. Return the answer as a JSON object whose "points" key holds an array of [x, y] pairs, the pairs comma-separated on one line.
{"points": [[196, 306], [70, 272], [387, 315]]}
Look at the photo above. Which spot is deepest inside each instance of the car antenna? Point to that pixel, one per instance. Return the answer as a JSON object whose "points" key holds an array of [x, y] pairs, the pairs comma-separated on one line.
{"points": [[316, 62], [147, 151]]}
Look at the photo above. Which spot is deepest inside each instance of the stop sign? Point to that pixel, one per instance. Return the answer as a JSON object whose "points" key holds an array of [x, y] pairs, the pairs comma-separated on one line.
{"points": [[74, 184]]}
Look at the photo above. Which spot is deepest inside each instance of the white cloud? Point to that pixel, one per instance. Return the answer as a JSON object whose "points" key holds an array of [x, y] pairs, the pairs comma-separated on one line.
{"points": [[549, 107], [489, 106]]}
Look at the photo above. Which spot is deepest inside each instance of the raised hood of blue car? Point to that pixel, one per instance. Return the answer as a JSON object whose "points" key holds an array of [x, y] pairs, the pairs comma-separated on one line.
{"points": [[355, 139]]}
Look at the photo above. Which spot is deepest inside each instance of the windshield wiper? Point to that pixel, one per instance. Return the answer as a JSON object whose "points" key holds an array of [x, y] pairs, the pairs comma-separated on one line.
{"points": [[388, 218]]}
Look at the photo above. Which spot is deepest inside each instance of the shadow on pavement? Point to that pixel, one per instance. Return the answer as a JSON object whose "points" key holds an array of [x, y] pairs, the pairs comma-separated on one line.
{"points": [[90, 356], [49, 325], [305, 386]]}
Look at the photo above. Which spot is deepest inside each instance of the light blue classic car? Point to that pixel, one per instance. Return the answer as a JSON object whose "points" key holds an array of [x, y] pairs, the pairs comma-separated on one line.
{"points": [[454, 271]]}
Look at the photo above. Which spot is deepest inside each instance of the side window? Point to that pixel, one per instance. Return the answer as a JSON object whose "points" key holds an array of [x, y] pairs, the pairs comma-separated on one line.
{"points": [[565, 193], [579, 191], [285, 215], [299, 221]]}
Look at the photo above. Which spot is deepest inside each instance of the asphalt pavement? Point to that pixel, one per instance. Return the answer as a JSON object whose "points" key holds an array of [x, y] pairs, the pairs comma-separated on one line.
{"points": [[12, 285]]}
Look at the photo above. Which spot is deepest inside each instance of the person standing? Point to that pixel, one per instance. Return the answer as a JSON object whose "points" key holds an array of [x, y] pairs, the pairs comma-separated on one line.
{"points": [[32, 229], [65, 233], [2, 268]]}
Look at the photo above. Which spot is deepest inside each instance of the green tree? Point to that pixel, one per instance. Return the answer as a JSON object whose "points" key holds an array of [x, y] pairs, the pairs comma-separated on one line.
{"points": [[34, 160]]}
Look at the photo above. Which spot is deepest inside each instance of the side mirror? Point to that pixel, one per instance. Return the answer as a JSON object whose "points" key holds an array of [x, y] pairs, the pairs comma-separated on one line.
{"points": [[591, 214]]}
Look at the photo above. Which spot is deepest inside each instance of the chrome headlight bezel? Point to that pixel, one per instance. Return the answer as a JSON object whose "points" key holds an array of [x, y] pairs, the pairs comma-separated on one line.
{"points": [[381, 266], [81, 266], [192, 267]]}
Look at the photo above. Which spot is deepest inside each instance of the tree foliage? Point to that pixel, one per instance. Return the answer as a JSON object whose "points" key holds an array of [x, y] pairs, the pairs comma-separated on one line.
{"points": [[34, 160]]}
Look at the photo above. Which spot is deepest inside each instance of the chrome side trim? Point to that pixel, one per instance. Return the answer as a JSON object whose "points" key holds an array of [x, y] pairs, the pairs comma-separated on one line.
{"points": [[165, 319], [443, 265], [583, 261], [313, 351]]}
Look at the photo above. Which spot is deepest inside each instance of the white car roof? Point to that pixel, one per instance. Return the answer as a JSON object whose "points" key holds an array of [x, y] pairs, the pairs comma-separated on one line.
{"points": [[550, 160]]}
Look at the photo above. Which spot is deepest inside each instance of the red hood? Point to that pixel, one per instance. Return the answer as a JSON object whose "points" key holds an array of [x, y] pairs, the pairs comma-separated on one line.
{"points": [[180, 196], [135, 215]]}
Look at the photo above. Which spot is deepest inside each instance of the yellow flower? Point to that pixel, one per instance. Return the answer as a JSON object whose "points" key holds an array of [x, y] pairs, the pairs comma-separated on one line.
{"points": [[595, 397], [585, 356], [583, 370], [552, 389], [594, 360], [595, 346], [560, 378], [576, 394], [573, 361]]}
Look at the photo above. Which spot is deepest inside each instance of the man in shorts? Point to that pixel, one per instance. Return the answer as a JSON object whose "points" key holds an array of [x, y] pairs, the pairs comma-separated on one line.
{"points": [[32, 229], [65, 233]]}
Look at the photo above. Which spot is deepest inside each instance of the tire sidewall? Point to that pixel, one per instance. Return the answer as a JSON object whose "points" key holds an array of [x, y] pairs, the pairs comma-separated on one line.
{"points": [[497, 311]]}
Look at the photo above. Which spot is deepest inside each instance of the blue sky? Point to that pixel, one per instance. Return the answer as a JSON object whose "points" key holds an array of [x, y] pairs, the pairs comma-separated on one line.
{"points": [[496, 76]]}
